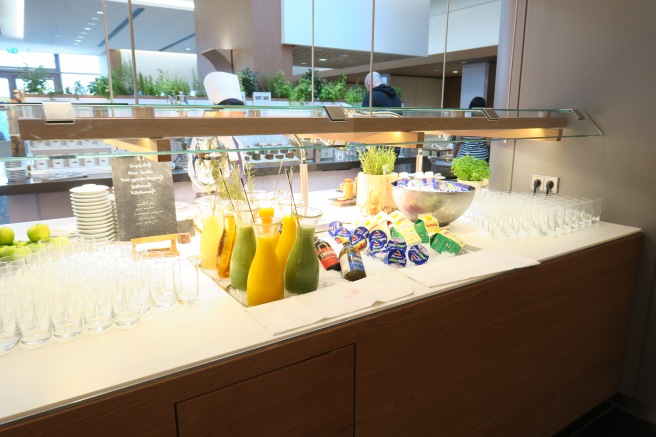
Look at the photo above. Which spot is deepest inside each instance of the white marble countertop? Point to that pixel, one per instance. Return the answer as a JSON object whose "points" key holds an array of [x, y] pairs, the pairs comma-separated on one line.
{"points": [[61, 373]]}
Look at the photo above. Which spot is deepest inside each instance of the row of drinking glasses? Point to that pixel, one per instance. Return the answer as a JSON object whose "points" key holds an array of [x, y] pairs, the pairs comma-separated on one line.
{"points": [[63, 289], [507, 215]]}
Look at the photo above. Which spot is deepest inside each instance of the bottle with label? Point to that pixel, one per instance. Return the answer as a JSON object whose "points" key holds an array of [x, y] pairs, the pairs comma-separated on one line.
{"points": [[351, 263], [326, 255]]}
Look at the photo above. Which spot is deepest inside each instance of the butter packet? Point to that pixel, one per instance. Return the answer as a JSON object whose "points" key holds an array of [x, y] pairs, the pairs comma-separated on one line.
{"points": [[445, 241], [367, 222], [406, 230], [381, 217], [396, 216], [426, 226]]}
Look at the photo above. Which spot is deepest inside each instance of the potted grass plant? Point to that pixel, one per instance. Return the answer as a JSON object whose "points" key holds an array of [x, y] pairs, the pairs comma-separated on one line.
{"points": [[375, 180], [470, 170]]}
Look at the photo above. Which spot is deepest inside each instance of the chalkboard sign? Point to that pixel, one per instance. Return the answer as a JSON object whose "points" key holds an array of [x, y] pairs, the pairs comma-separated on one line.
{"points": [[145, 205]]}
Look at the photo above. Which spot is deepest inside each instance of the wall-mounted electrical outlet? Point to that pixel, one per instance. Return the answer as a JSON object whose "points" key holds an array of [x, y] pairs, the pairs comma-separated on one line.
{"points": [[535, 178], [548, 180]]}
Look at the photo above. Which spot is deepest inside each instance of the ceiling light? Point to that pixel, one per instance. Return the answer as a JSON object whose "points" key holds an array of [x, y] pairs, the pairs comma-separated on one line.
{"points": [[87, 28], [78, 40], [323, 59], [99, 12], [92, 24], [94, 18], [170, 4], [455, 71], [81, 37], [187, 48]]}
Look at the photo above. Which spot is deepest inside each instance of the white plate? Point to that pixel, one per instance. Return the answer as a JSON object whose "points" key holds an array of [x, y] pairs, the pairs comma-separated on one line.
{"points": [[90, 215], [96, 234], [89, 189], [94, 208], [91, 205], [94, 221], [102, 229], [86, 199]]}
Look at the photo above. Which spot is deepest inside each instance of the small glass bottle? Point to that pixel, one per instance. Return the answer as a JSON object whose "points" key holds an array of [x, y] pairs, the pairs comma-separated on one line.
{"points": [[326, 255], [351, 263]]}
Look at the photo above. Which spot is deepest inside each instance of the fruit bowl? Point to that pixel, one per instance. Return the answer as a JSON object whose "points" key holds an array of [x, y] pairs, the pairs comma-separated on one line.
{"points": [[445, 206]]}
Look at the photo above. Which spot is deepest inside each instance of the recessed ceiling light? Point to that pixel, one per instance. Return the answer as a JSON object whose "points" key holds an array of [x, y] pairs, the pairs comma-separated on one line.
{"points": [[303, 63], [92, 24], [87, 28], [58, 35], [187, 48], [95, 18], [99, 12], [78, 40], [323, 59], [455, 71], [83, 33]]}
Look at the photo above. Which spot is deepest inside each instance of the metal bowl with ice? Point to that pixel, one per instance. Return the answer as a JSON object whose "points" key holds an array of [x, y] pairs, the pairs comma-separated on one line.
{"points": [[443, 205]]}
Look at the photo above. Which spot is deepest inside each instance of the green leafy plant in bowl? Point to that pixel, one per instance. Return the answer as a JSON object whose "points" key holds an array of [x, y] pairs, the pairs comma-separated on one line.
{"points": [[468, 168]]}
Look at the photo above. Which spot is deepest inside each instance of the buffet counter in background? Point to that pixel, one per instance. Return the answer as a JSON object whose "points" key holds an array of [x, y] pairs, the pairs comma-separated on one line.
{"points": [[522, 352]]}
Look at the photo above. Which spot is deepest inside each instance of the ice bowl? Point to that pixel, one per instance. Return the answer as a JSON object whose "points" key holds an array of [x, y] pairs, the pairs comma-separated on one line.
{"points": [[445, 206]]}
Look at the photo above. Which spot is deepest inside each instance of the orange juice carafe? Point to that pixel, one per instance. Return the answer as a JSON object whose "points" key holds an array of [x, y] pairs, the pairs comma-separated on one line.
{"points": [[265, 277], [288, 234], [211, 237]]}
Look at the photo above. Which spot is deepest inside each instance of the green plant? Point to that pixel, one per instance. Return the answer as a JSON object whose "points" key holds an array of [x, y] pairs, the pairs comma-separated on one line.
{"points": [[355, 95], [248, 81], [167, 85], [319, 82], [277, 85], [398, 91], [377, 160], [334, 90], [302, 91], [468, 168], [146, 85], [99, 86], [35, 79], [197, 85]]}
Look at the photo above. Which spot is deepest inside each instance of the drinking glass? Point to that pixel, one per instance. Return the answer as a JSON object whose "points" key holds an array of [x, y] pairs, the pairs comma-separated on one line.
{"points": [[185, 275], [161, 282], [96, 300], [65, 309], [596, 210], [9, 335], [125, 297], [33, 314]]}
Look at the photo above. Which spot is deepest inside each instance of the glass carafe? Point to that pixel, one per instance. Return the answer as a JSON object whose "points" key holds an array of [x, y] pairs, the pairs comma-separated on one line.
{"points": [[244, 250], [212, 230], [302, 269], [265, 278], [288, 234], [227, 240]]}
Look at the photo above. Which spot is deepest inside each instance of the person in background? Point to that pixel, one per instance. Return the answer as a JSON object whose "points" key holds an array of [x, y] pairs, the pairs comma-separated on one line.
{"points": [[222, 89], [384, 96], [474, 146]]}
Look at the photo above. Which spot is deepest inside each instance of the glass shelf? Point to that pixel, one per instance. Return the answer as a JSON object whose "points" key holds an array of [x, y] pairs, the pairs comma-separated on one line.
{"points": [[147, 130]]}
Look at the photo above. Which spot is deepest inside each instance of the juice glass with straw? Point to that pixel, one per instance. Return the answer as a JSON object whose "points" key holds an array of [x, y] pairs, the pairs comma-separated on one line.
{"points": [[302, 269], [265, 277], [244, 250], [288, 234]]}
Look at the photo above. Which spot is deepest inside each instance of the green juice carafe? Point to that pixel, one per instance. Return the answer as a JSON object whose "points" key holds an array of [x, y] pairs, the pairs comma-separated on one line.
{"points": [[244, 250], [302, 269]]}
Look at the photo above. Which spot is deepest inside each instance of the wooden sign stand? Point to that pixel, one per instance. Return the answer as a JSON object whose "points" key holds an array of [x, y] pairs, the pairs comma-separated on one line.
{"points": [[172, 250]]}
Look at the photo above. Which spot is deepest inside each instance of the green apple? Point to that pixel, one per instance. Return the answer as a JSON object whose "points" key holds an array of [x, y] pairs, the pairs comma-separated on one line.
{"points": [[15, 252], [6, 235], [39, 231]]}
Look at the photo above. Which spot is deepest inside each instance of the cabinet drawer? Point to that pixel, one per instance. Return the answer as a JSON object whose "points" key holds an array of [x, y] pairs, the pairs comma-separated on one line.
{"points": [[315, 396]]}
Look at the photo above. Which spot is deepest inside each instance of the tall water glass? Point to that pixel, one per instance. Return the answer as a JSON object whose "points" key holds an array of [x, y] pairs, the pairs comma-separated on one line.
{"points": [[9, 335], [302, 268], [125, 298], [33, 313], [161, 281], [596, 210], [65, 309], [96, 299], [186, 279]]}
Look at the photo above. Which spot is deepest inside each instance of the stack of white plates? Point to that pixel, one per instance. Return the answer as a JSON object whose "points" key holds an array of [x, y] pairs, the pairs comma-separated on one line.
{"points": [[94, 212]]}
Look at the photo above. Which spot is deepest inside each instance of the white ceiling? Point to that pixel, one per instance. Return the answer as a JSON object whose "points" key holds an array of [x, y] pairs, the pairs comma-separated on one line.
{"points": [[55, 25]]}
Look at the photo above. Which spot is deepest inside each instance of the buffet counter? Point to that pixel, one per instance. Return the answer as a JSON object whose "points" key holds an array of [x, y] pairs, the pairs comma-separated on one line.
{"points": [[217, 334]]}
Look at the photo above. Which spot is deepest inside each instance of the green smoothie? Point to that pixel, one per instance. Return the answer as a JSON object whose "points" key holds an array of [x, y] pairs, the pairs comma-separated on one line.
{"points": [[302, 269], [242, 256]]}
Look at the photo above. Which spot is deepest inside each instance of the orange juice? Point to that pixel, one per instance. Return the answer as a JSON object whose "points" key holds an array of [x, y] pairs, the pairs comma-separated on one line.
{"points": [[265, 277], [210, 239], [266, 212]]}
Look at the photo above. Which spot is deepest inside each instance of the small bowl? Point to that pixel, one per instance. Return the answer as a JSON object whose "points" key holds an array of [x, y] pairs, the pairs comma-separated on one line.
{"points": [[444, 206]]}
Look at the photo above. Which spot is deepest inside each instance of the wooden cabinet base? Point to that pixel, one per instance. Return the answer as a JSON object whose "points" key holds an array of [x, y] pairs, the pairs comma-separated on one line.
{"points": [[524, 353]]}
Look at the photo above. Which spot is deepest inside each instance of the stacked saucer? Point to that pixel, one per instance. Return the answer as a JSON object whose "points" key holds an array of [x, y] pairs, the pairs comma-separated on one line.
{"points": [[94, 212]]}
